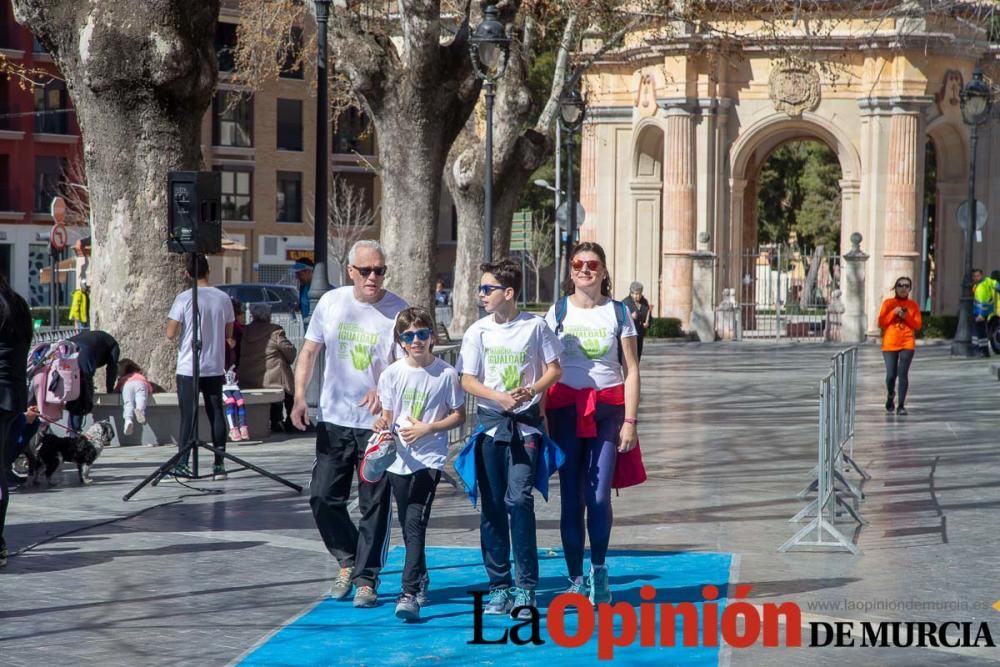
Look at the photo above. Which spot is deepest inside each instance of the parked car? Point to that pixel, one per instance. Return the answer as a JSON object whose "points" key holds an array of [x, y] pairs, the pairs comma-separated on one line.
{"points": [[281, 298]]}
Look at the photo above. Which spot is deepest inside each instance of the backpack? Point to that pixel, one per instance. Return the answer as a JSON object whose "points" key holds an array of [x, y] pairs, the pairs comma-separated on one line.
{"points": [[621, 315], [63, 377]]}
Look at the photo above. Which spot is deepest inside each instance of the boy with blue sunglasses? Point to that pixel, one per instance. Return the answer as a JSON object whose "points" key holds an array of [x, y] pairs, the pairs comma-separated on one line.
{"points": [[422, 399]]}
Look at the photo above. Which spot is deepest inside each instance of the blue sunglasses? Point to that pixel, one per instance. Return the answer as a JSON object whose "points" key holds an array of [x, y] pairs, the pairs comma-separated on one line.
{"points": [[420, 334]]}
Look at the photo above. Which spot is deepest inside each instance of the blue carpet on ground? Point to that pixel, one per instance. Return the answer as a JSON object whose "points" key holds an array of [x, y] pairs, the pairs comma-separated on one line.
{"points": [[335, 633]]}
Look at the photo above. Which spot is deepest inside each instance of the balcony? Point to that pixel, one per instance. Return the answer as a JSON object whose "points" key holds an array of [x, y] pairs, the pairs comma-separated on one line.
{"points": [[53, 121], [11, 119]]}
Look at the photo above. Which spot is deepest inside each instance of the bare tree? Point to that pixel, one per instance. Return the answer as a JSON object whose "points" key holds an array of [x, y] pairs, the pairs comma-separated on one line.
{"points": [[541, 249], [351, 219], [75, 191], [141, 75]]}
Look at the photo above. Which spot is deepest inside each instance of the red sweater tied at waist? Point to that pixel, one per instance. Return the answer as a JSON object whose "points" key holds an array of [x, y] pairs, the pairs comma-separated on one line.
{"points": [[585, 400]]}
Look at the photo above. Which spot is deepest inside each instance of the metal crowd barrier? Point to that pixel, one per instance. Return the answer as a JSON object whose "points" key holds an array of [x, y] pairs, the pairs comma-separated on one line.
{"points": [[53, 335], [836, 496]]}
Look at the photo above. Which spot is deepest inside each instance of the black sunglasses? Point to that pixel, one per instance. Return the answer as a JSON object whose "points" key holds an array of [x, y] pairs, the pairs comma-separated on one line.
{"points": [[366, 271], [420, 334], [904, 285], [486, 290]]}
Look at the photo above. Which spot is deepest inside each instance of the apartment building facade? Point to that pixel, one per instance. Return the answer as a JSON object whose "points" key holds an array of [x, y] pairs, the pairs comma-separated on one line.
{"points": [[262, 143]]}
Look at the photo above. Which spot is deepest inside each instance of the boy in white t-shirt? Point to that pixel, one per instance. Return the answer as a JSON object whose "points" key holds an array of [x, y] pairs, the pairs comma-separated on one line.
{"points": [[422, 399], [508, 360], [215, 314]]}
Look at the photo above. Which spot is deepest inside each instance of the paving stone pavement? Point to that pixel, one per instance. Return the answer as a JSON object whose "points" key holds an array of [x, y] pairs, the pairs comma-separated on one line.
{"points": [[728, 435]]}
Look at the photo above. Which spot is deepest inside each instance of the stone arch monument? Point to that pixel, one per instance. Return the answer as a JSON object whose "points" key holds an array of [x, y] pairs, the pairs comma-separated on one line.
{"points": [[678, 125]]}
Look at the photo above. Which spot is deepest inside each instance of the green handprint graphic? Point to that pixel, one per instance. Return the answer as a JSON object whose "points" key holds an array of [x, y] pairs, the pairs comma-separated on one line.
{"points": [[361, 357], [593, 349], [511, 377]]}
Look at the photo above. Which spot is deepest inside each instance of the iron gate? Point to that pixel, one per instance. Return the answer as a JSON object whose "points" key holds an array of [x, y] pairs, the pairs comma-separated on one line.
{"points": [[776, 292]]}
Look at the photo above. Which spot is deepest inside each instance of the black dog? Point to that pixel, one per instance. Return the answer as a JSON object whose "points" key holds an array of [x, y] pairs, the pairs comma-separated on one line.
{"points": [[82, 450]]}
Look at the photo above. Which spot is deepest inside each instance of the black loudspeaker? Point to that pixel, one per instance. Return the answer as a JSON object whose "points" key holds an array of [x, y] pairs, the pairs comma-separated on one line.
{"points": [[194, 211]]}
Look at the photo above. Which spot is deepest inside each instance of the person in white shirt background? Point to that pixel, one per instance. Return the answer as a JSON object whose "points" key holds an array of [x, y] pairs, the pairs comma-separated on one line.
{"points": [[216, 316], [354, 325], [422, 399]]}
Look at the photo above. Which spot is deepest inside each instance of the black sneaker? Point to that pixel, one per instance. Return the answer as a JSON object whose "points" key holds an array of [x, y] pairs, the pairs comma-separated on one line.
{"points": [[901, 411], [3, 553], [890, 403]]}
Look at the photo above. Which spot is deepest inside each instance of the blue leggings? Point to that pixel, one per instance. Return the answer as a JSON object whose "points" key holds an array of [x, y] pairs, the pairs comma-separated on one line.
{"points": [[236, 412], [585, 482]]}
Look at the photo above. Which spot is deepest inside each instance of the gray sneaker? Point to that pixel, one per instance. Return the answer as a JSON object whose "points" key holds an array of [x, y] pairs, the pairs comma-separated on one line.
{"points": [[600, 588], [365, 597], [523, 599], [342, 585], [501, 602], [407, 607]]}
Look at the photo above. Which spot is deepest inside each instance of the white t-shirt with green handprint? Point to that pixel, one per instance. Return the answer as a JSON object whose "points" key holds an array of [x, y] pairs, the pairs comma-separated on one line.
{"points": [[359, 345], [507, 356], [590, 357], [428, 395]]}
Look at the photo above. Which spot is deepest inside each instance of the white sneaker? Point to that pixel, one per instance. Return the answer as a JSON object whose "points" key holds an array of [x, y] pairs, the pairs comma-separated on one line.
{"points": [[140, 416], [129, 427]]}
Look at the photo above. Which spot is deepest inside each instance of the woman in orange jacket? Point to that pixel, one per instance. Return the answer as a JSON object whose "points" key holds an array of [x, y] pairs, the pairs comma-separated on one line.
{"points": [[899, 320]]}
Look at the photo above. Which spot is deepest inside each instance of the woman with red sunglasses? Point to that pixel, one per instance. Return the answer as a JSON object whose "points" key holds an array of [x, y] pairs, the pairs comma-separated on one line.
{"points": [[899, 319], [591, 411]]}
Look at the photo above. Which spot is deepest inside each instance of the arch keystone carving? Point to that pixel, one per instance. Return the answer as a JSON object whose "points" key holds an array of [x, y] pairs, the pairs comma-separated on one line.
{"points": [[794, 89]]}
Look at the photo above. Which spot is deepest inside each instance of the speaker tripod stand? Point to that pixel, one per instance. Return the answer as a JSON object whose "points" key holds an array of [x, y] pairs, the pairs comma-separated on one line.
{"points": [[193, 444]]}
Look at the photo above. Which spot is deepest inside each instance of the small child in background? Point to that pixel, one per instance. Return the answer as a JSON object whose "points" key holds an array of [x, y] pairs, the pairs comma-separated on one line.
{"points": [[135, 390], [236, 412]]}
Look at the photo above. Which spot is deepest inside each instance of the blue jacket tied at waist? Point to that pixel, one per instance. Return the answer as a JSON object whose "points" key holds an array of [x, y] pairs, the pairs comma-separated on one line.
{"points": [[550, 457]]}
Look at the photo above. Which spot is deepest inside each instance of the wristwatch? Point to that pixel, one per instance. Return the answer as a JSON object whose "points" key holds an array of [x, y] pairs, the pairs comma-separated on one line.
{"points": [[531, 390]]}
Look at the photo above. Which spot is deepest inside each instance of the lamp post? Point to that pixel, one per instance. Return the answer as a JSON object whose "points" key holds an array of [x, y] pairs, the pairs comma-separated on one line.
{"points": [[572, 110], [975, 105], [554, 189], [320, 284], [489, 47]]}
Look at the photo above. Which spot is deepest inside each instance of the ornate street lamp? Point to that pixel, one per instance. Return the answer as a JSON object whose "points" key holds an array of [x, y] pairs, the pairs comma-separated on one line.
{"points": [[572, 111], [489, 47], [320, 284], [975, 105]]}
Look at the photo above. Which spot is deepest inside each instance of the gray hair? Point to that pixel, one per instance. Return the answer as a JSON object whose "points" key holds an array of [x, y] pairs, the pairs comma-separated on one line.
{"points": [[635, 287], [260, 312], [365, 243]]}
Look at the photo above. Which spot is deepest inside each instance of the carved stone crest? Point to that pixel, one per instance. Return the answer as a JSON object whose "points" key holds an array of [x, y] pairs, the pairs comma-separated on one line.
{"points": [[645, 95], [794, 89]]}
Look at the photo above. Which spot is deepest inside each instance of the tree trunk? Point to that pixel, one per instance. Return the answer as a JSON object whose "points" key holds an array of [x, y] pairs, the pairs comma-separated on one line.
{"points": [[518, 150], [419, 92], [411, 167], [141, 75]]}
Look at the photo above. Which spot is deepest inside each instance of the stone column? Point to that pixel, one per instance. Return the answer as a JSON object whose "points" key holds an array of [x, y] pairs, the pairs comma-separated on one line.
{"points": [[855, 324], [679, 217], [702, 291], [901, 254]]}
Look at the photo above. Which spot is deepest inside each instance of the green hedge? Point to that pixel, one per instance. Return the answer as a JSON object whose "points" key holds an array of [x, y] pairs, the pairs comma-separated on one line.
{"points": [[938, 326], [43, 313], [665, 327]]}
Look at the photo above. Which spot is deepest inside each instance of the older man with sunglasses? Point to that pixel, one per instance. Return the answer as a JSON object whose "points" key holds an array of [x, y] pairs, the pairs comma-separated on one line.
{"points": [[354, 324]]}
